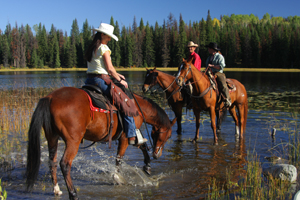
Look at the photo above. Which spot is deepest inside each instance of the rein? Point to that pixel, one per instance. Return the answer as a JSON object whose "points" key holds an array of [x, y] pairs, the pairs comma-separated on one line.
{"points": [[144, 119], [174, 91], [165, 140]]}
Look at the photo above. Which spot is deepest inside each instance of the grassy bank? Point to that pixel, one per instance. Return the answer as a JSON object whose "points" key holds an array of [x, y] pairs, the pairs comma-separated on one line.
{"points": [[159, 68]]}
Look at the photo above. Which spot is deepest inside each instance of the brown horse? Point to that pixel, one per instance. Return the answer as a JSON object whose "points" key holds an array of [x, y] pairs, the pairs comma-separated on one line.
{"points": [[173, 92], [205, 98], [66, 113]]}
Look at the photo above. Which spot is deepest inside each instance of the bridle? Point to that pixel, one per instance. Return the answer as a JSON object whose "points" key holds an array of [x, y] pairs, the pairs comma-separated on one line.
{"points": [[184, 82], [164, 141], [178, 75], [174, 91]]}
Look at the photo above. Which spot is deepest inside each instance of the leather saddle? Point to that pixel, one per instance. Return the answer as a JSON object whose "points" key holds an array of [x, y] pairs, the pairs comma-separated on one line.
{"points": [[229, 83], [102, 102], [97, 97]]}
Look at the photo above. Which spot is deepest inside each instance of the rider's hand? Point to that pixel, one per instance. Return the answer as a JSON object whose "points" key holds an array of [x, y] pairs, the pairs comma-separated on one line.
{"points": [[123, 82]]}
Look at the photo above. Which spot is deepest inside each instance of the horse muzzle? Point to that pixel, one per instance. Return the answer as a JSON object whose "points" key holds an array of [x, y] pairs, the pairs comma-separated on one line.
{"points": [[179, 81], [157, 152], [145, 88]]}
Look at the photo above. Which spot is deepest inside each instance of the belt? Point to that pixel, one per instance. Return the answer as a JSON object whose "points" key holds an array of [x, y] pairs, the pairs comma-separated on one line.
{"points": [[98, 75]]}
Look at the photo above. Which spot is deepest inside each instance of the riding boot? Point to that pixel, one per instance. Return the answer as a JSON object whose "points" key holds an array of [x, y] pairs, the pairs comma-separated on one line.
{"points": [[221, 79], [138, 140]]}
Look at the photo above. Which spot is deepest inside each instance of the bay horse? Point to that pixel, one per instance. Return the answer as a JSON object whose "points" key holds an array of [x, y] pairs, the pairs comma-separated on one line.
{"points": [[65, 113], [205, 98], [173, 92]]}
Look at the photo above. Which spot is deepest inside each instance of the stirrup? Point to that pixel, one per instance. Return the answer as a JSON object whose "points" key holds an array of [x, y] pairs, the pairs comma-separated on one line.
{"points": [[140, 138]]}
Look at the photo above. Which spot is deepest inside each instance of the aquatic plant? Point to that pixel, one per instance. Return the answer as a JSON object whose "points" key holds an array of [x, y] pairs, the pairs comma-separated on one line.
{"points": [[3, 193]]}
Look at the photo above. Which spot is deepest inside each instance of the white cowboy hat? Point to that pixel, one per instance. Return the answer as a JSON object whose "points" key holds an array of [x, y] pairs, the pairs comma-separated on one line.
{"points": [[106, 29], [192, 44]]}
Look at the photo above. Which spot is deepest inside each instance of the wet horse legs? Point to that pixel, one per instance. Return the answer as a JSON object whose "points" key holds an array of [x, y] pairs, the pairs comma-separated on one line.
{"points": [[66, 164]]}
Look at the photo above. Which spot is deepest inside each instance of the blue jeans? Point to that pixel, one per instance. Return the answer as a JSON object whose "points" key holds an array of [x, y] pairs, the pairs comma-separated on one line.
{"points": [[129, 124]]}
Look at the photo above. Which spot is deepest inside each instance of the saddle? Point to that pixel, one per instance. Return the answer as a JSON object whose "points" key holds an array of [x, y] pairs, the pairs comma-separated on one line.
{"points": [[213, 82], [100, 103]]}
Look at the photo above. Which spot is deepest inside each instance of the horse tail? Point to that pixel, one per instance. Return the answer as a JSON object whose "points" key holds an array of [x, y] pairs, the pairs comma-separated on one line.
{"points": [[40, 118]]}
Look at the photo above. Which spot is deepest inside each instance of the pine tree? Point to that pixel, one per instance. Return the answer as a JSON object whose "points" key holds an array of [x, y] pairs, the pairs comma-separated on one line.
{"points": [[22, 47], [112, 44], [117, 50], [123, 46], [56, 63], [165, 56], [15, 47], [158, 41], [129, 47], [209, 29], [34, 59], [5, 50], [86, 35], [148, 48], [181, 42], [51, 45], [42, 43]]}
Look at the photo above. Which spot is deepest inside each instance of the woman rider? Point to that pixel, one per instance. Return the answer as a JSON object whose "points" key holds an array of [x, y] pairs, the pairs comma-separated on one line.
{"points": [[100, 66]]}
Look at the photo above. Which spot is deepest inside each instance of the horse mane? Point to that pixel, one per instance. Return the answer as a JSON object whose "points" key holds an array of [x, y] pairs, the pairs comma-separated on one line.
{"points": [[162, 117], [171, 76]]}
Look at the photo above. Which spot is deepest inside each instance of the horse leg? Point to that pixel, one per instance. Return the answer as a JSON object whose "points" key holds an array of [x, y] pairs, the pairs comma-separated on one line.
{"points": [[235, 118], [123, 144], [197, 115], [178, 113], [241, 119], [218, 121], [52, 146], [147, 160], [213, 124], [66, 164]]}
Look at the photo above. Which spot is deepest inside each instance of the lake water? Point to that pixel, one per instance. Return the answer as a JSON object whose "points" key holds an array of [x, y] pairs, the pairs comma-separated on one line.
{"points": [[185, 170]]}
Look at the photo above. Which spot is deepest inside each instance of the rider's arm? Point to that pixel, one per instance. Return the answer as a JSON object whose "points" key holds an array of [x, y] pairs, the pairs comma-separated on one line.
{"points": [[111, 70]]}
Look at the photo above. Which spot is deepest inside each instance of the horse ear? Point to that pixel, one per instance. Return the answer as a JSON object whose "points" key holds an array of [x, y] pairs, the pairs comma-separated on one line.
{"points": [[154, 68], [190, 60], [173, 122], [183, 60], [146, 69]]}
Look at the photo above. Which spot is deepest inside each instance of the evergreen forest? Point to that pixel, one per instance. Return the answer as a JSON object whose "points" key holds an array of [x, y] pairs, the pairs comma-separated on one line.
{"points": [[245, 41]]}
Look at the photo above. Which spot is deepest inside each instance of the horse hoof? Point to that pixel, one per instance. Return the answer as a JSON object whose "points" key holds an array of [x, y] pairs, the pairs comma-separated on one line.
{"points": [[216, 144], [194, 141], [147, 170], [218, 131]]}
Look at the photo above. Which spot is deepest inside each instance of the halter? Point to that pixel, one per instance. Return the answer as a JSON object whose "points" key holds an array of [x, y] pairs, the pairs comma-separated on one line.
{"points": [[190, 70], [174, 91], [165, 140]]}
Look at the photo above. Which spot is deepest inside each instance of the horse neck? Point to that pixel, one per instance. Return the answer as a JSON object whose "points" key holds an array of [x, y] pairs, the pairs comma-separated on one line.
{"points": [[199, 79], [165, 80], [151, 113]]}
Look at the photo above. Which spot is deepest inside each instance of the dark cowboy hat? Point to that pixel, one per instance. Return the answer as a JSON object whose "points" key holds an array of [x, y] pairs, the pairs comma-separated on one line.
{"points": [[213, 45]]}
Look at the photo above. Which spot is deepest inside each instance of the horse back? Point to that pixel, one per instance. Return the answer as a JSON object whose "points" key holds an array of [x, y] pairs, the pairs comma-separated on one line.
{"points": [[73, 118], [240, 93]]}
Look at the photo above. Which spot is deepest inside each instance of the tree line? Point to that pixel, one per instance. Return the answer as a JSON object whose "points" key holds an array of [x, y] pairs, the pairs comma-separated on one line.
{"points": [[245, 41]]}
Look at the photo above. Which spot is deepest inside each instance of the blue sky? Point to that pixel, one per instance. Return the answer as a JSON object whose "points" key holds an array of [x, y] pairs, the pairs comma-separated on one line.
{"points": [[61, 13]]}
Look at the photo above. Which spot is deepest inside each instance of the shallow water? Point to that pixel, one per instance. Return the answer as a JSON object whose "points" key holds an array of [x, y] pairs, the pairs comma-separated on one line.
{"points": [[185, 169]]}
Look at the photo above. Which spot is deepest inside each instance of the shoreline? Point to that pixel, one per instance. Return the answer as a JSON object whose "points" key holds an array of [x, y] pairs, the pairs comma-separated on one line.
{"points": [[158, 68]]}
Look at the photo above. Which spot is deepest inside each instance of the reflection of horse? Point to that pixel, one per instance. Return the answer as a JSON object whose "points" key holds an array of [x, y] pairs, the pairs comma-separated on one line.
{"points": [[66, 113], [205, 98], [168, 84]]}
